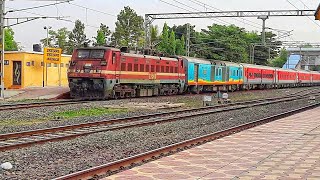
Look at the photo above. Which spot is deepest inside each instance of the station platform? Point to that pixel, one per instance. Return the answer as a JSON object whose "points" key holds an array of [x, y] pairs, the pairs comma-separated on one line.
{"points": [[35, 93], [288, 148]]}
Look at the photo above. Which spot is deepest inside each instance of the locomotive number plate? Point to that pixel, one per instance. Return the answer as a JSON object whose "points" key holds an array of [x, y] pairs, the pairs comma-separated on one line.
{"points": [[152, 76]]}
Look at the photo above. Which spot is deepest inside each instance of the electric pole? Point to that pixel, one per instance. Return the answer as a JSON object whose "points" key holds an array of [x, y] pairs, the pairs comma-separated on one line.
{"points": [[188, 40], [2, 14], [263, 34]]}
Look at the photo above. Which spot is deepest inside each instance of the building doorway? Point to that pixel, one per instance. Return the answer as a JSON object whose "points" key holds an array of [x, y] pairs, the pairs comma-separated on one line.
{"points": [[17, 73]]}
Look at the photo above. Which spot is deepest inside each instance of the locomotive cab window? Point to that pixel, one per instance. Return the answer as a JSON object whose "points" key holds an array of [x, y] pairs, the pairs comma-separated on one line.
{"points": [[90, 53]]}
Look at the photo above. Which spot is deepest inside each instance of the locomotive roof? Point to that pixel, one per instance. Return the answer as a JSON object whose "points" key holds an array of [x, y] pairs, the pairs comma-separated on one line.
{"points": [[257, 66], [151, 57], [100, 47], [197, 60]]}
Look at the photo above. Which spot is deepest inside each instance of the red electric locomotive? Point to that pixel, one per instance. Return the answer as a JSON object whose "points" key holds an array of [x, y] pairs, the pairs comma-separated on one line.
{"points": [[104, 72]]}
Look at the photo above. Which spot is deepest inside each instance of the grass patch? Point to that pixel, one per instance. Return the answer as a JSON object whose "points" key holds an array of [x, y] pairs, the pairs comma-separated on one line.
{"points": [[14, 122], [88, 112]]}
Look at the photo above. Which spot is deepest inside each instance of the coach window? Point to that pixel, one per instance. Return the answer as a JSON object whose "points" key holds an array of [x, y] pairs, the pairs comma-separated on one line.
{"points": [[175, 69], [141, 67], [147, 67], [167, 69], [152, 68], [129, 66], [162, 68], [158, 68], [181, 63]]}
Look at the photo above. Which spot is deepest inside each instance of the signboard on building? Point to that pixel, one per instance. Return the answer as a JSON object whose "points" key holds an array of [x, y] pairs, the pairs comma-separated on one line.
{"points": [[52, 55]]}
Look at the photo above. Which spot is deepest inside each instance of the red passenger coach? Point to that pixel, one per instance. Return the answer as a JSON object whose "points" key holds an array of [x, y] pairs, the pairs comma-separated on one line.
{"points": [[101, 72], [304, 77], [258, 76], [287, 77]]}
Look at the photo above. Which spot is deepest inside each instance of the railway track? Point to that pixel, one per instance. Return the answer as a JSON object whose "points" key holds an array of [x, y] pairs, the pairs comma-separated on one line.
{"points": [[15, 106], [109, 168], [27, 138]]}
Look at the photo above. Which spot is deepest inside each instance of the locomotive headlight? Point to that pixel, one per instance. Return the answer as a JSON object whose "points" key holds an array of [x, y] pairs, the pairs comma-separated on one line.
{"points": [[103, 63]]}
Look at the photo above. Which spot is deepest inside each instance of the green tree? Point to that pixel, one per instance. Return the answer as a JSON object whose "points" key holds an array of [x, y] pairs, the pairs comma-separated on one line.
{"points": [[58, 39], [180, 46], [129, 28], [9, 43], [280, 60], [171, 48], [163, 45], [77, 37], [223, 43], [154, 35], [102, 33]]}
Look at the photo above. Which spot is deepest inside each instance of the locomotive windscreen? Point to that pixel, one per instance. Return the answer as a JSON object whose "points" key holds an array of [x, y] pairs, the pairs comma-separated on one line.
{"points": [[90, 53]]}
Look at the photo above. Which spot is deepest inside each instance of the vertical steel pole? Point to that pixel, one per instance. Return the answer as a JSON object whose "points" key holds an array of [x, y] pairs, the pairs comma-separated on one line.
{"points": [[2, 14], [188, 40], [43, 54]]}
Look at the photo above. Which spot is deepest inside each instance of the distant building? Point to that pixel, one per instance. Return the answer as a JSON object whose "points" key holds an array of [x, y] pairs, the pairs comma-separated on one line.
{"points": [[25, 69], [303, 58]]}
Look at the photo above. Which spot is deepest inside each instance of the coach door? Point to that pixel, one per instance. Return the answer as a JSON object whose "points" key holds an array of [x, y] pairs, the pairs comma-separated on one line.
{"points": [[17, 73], [116, 65], [196, 72]]}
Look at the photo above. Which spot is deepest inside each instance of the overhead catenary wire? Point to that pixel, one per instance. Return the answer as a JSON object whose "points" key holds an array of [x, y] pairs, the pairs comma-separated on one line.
{"points": [[37, 7], [214, 8], [305, 6], [61, 19]]}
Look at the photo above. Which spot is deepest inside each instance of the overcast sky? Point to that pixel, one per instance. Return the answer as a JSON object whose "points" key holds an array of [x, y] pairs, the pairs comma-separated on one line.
{"points": [[31, 32]]}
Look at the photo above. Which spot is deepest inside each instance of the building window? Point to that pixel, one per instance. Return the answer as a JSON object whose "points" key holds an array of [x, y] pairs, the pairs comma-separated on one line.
{"points": [[48, 64], [28, 64], [32, 63], [55, 65], [6, 62], [41, 63], [61, 65]]}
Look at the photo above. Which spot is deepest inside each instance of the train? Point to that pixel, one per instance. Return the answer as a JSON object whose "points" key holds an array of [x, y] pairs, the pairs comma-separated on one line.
{"points": [[109, 73]]}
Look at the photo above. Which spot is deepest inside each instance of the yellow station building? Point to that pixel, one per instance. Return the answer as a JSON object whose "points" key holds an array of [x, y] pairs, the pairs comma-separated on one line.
{"points": [[25, 69]]}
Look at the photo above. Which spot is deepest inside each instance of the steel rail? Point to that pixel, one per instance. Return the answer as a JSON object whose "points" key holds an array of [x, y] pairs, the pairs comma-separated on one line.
{"points": [[5, 107], [111, 167], [27, 138]]}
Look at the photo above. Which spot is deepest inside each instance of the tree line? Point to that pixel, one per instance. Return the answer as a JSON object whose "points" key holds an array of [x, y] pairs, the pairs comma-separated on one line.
{"points": [[218, 42]]}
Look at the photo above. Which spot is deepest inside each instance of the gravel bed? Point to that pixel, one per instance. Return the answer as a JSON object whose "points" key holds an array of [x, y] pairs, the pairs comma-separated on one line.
{"points": [[59, 158], [42, 117]]}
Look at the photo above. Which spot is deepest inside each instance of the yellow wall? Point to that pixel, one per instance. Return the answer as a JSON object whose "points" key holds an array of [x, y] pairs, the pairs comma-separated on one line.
{"points": [[32, 74]]}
